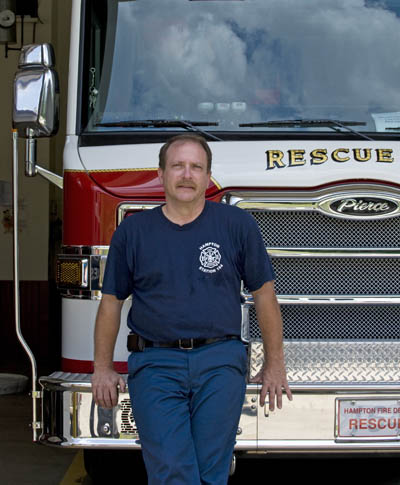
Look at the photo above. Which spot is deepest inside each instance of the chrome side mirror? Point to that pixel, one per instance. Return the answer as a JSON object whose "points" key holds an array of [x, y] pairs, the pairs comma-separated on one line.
{"points": [[36, 93], [36, 102]]}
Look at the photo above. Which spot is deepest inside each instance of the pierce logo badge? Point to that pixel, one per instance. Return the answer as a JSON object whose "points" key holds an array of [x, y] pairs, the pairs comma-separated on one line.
{"points": [[361, 206]]}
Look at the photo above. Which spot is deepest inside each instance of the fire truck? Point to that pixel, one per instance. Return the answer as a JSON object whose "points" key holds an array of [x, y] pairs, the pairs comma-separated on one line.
{"points": [[298, 100]]}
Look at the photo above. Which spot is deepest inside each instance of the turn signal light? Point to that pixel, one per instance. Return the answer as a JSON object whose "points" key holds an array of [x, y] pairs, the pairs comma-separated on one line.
{"points": [[72, 273]]}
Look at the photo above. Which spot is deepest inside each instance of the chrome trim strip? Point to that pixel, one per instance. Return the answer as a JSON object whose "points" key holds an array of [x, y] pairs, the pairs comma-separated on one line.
{"points": [[327, 300], [133, 206], [319, 446], [100, 250], [80, 294], [317, 193], [245, 327], [85, 273], [131, 443], [84, 250], [350, 388], [83, 294], [262, 446], [248, 302], [339, 300], [273, 206], [82, 383], [333, 253], [98, 443], [317, 201]]}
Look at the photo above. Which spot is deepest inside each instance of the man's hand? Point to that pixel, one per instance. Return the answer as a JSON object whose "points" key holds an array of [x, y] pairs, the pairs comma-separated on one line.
{"points": [[273, 374], [105, 380], [104, 387], [274, 383]]}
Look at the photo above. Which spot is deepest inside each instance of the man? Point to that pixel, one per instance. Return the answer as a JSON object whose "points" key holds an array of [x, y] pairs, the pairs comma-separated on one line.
{"points": [[183, 263]]}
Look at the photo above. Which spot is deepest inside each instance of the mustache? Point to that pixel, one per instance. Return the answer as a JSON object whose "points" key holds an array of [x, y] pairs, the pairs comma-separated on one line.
{"points": [[189, 185]]}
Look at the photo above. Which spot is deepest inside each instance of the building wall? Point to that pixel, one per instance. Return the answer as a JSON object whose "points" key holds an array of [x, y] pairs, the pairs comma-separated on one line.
{"points": [[39, 203]]}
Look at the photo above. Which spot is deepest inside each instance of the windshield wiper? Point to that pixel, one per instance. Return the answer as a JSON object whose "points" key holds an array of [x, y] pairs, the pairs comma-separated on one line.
{"points": [[317, 123], [188, 125]]}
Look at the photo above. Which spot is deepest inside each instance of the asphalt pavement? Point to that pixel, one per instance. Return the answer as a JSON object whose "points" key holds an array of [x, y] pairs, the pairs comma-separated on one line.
{"points": [[23, 462]]}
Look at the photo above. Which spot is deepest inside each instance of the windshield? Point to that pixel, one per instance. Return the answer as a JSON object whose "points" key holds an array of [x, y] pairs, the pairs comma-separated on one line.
{"points": [[229, 63]]}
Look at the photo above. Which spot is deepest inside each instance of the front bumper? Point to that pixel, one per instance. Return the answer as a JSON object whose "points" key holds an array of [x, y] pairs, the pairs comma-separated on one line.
{"points": [[307, 424], [321, 374]]}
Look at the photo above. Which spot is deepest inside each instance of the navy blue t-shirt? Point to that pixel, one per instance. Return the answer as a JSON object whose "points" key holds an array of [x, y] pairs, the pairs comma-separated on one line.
{"points": [[185, 280]]}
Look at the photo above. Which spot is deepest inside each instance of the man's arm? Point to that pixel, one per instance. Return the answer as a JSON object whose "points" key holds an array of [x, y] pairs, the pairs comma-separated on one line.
{"points": [[273, 374], [105, 380]]}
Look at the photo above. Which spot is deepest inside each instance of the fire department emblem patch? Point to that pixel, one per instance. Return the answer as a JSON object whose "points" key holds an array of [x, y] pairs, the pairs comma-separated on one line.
{"points": [[210, 257]]}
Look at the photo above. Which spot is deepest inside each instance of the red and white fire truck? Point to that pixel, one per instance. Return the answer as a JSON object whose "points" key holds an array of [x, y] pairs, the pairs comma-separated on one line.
{"points": [[298, 100]]}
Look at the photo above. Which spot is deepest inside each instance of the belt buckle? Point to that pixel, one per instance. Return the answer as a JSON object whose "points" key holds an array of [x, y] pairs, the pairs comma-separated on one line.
{"points": [[185, 343]]}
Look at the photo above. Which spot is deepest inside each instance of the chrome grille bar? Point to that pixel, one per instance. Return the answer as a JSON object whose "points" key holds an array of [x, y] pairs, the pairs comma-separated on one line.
{"points": [[328, 300], [333, 253], [335, 322]]}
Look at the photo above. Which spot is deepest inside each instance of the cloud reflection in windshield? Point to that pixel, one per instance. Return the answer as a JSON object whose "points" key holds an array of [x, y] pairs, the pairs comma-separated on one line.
{"points": [[254, 60]]}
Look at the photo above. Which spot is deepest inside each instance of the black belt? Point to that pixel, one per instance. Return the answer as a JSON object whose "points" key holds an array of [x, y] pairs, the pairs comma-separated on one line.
{"points": [[137, 343]]}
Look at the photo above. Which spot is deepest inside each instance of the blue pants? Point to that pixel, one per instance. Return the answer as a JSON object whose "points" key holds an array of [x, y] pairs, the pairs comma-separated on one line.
{"points": [[187, 405]]}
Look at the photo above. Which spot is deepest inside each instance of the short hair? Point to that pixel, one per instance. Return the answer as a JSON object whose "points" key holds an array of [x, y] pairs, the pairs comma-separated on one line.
{"points": [[187, 137]]}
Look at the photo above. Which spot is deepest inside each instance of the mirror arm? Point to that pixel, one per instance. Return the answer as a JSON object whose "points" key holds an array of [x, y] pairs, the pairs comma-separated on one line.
{"points": [[30, 154], [31, 168], [50, 176]]}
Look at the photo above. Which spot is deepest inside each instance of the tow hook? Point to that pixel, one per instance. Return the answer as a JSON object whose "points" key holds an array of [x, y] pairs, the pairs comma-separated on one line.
{"points": [[233, 465]]}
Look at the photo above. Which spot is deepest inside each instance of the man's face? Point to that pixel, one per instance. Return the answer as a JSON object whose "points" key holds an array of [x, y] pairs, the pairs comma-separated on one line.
{"points": [[185, 177]]}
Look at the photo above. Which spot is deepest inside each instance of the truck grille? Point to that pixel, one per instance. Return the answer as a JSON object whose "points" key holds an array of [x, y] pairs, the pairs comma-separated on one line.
{"points": [[349, 322], [296, 229], [337, 276], [348, 269]]}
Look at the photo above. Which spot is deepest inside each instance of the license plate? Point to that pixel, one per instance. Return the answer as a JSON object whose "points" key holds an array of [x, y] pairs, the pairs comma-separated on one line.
{"points": [[368, 418]]}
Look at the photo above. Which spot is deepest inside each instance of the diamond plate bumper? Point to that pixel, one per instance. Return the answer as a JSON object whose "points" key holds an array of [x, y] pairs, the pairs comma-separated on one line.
{"points": [[333, 363]]}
